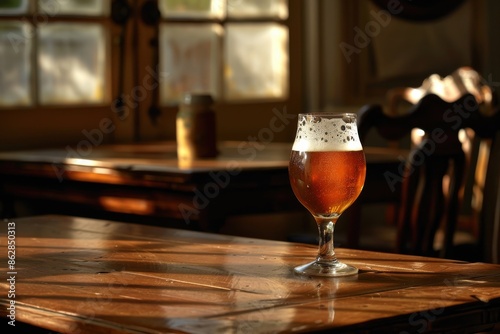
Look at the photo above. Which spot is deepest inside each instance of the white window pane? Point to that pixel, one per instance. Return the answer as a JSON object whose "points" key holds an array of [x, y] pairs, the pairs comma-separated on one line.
{"points": [[256, 61], [192, 8], [15, 68], [190, 56], [71, 63], [12, 7], [74, 7], [257, 8]]}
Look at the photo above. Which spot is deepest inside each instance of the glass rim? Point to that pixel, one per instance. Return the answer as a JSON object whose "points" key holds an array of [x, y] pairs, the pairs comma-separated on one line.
{"points": [[328, 114]]}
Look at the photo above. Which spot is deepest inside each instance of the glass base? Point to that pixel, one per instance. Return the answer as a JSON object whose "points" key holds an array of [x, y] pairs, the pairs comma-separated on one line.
{"points": [[334, 269]]}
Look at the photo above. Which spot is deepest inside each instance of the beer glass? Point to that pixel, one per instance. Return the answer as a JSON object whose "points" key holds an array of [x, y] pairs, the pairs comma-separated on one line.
{"points": [[327, 172]]}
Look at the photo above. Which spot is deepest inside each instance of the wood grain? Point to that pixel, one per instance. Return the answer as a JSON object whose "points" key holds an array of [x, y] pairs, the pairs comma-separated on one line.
{"points": [[79, 275]]}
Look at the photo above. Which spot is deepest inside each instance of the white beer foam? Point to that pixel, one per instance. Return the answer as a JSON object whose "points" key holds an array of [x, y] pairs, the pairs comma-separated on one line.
{"points": [[316, 134]]}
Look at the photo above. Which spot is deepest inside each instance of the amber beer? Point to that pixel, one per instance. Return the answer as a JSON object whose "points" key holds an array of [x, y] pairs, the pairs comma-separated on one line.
{"points": [[327, 164], [327, 182]]}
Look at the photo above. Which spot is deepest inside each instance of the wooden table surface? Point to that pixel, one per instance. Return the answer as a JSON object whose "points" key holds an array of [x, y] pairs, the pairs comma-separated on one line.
{"points": [[162, 157], [80, 275]]}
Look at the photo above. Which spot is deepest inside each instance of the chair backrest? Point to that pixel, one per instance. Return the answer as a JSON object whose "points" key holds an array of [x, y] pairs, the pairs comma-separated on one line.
{"points": [[490, 213], [435, 168], [465, 80]]}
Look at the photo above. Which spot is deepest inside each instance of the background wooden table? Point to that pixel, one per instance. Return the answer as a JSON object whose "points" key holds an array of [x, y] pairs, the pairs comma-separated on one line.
{"points": [[79, 275], [145, 183]]}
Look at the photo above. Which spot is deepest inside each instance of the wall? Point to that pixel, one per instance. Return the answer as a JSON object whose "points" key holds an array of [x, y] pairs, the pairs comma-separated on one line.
{"points": [[347, 67]]}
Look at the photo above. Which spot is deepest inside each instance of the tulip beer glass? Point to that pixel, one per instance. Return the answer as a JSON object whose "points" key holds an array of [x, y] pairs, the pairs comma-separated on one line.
{"points": [[327, 173]]}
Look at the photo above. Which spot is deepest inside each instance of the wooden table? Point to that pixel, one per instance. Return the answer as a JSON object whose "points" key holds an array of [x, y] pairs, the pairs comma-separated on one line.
{"points": [[145, 182], [78, 275]]}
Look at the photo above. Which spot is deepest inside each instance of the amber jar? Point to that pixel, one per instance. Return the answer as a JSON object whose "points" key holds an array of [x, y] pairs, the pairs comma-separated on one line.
{"points": [[195, 127]]}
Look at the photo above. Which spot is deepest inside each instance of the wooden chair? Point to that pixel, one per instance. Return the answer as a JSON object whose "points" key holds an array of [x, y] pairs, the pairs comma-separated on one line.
{"points": [[464, 80], [435, 170], [490, 213]]}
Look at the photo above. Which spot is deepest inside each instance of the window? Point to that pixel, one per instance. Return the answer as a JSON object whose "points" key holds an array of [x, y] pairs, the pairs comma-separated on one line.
{"points": [[246, 53], [53, 53], [76, 62], [234, 49]]}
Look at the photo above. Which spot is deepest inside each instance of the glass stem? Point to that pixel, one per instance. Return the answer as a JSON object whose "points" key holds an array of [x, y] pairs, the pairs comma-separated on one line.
{"points": [[326, 252]]}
